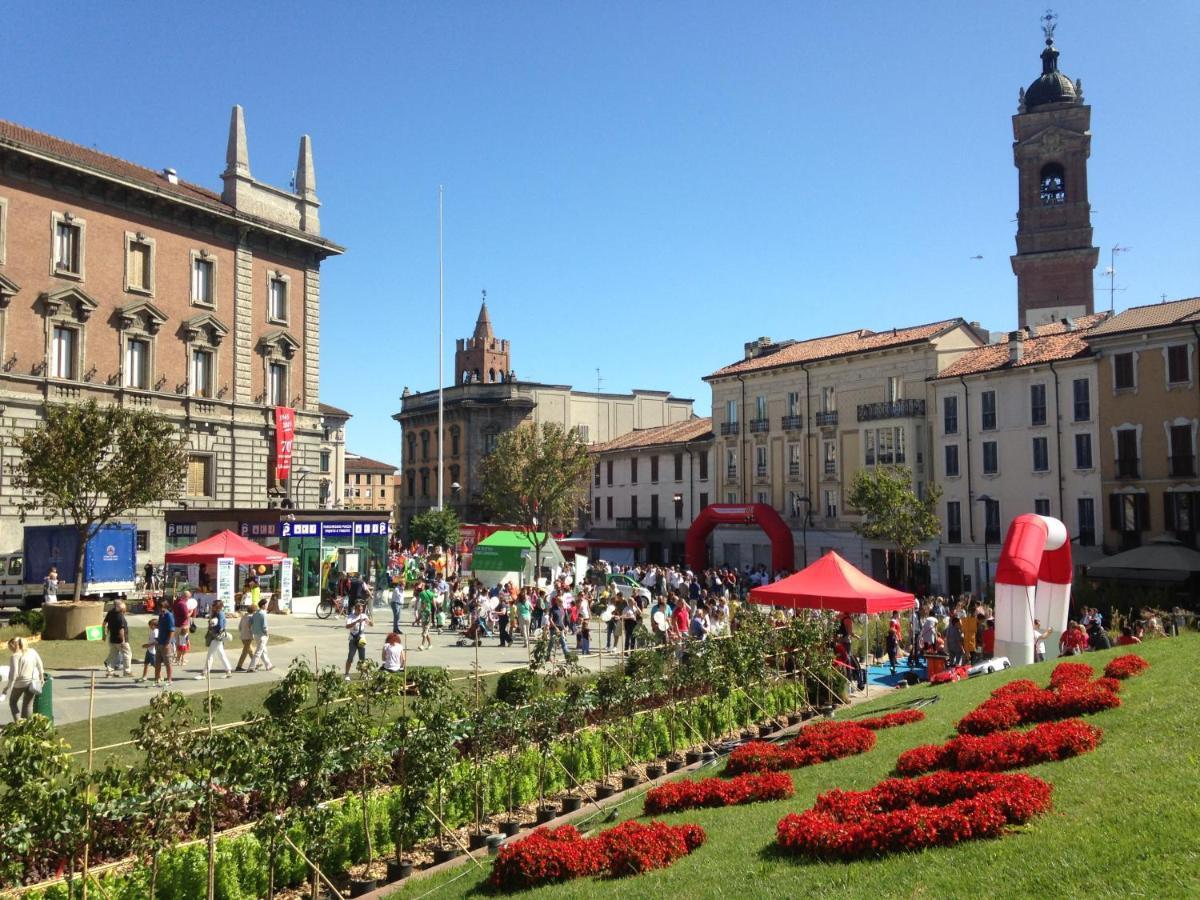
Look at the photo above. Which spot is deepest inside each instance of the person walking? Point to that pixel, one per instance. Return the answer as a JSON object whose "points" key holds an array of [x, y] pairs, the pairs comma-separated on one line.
{"points": [[524, 616], [1039, 641], [119, 660], [356, 624], [630, 613], [215, 639], [502, 620], [183, 628], [26, 677], [151, 648], [246, 635], [954, 641], [396, 601], [163, 648], [50, 586], [261, 634]]}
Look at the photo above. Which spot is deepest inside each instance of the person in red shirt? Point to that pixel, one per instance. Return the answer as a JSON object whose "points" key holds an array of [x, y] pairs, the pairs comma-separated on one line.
{"points": [[680, 619], [1127, 638], [988, 639], [1074, 640]]}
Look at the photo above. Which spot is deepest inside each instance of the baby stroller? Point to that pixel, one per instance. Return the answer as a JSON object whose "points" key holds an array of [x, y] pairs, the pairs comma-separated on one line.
{"points": [[473, 634]]}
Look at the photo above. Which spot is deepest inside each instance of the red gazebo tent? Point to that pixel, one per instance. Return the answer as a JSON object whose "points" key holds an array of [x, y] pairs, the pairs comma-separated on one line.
{"points": [[222, 544], [832, 583]]}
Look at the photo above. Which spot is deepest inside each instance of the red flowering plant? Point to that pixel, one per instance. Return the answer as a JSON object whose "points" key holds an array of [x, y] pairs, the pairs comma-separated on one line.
{"points": [[891, 720], [1109, 684], [814, 744], [911, 814], [1020, 686], [1126, 666], [753, 787], [553, 856], [1062, 702], [996, 714], [1003, 750], [1071, 673]]}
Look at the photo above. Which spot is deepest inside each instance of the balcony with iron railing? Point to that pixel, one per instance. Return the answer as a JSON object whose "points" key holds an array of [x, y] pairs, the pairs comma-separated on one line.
{"points": [[792, 423], [1128, 467], [760, 426], [639, 523], [954, 536], [794, 470], [1183, 466], [891, 409], [827, 418], [729, 428], [731, 473], [830, 467]]}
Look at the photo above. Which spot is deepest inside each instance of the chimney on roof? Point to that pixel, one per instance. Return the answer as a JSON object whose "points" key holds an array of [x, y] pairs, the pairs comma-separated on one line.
{"points": [[1016, 346], [758, 347], [171, 175], [1069, 325]]}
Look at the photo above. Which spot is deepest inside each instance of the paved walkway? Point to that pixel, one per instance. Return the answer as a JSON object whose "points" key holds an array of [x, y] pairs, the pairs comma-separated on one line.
{"points": [[324, 640]]}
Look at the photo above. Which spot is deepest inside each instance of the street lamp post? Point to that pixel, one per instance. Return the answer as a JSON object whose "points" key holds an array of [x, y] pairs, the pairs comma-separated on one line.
{"points": [[678, 501], [304, 473], [804, 524], [987, 563]]}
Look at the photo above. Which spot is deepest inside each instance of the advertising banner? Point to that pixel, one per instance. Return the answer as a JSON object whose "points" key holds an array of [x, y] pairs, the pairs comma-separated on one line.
{"points": [[226, 571], [285, 583], [285, 439]]}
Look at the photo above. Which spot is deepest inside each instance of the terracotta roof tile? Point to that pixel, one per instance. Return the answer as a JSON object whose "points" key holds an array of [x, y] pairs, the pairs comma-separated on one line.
{"points": [[356, 463], [1048, 343], [844, 344], [677, 433], [328, 410], [1154, 315]]}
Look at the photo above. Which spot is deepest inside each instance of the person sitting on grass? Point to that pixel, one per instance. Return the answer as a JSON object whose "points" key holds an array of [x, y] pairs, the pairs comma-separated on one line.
{"points": [[1073, 641], [1127, 638], [394, 658]]}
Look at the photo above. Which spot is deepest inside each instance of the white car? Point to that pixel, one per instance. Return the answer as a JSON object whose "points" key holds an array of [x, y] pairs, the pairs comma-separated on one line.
{"points": [[628, 586], [988, 666]]}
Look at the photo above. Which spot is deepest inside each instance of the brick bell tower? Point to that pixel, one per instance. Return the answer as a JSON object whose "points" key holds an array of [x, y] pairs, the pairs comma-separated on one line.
{"points": [[1055, 259], [481, 358]]}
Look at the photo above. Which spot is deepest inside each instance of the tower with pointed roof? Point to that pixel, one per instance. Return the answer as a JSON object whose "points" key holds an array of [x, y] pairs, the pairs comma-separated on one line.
{"points": [[482, 358], [1052, 141]]}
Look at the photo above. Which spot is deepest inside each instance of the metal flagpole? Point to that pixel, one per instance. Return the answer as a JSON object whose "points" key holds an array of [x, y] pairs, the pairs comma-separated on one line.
{"points": [[441, 353]]}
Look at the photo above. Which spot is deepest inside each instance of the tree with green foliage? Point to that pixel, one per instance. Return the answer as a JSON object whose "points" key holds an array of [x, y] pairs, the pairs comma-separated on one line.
{"points": [[891, 510], [435, 528], [538, 478], [88, 464]]}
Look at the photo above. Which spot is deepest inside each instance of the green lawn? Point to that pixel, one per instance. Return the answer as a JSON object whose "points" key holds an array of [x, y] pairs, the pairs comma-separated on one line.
{"points": [[1125, 821]]}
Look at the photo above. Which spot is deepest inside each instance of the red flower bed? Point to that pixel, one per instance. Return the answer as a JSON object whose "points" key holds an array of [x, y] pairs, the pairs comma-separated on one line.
{"points": [[902, 814], [552, 856], [1071, 673], [1109, 684], [1126, 666], [1003, 750], [891, 720], [815, 744], [753, 787], [1062, 702], [1020, 686]]}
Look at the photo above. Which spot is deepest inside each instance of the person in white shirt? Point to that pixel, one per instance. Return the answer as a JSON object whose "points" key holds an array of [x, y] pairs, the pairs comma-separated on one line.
{"points": [[356, 624], [26, 675], [396, 601], [395, 657]]}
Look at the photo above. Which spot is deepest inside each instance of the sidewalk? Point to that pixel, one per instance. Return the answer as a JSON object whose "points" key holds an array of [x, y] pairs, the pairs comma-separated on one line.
{"points": [[322, 641]]}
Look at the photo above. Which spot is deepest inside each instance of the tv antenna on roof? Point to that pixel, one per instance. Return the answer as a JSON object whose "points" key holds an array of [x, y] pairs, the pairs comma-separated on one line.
{"points": [[1111, 272]]}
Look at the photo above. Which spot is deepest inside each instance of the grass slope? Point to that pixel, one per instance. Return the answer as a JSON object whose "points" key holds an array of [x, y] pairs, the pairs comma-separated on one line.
{"points": [[1125, 820]]}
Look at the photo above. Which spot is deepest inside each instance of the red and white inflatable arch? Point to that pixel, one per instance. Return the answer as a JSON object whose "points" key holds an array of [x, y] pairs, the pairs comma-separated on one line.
{"points": [[1033, 581]]}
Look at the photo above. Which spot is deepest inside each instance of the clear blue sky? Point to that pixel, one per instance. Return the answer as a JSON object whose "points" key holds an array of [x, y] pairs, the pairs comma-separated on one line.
{"points": [[639, 186]]}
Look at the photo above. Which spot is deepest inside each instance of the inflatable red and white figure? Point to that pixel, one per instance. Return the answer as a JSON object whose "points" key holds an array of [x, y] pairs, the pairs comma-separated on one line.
{"points": [[1033, 581]]}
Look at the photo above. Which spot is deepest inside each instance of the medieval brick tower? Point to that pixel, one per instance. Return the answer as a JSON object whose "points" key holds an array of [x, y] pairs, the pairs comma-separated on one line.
{"points": [[482, 357], [1055, 259]]}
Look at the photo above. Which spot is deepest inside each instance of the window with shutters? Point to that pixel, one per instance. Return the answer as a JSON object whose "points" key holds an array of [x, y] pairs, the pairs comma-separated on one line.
{"points": [[1182, 461], [204, 279], [760, 461], [1178, 368], [1181, 511], [137, 363], [608, 509], [679, 467], [199, 475], [64, 349], [278, 375], [1041, 506], [703, 500], [1086, 514], [1081, 389], [633, 470], [202, 373], [1124, 372], [68, 245], [1037, 404], [987, 406], [139, 264], [991, 521], [703, 460], [950, 415], [1128, 464], [1041, 455], [1083, 451], [991, 458], [654, 510], [953, 522], [952, 460], [1130, 512], [633, 510], [608, 468], [654, 469], [596, 475], [277, 300]]}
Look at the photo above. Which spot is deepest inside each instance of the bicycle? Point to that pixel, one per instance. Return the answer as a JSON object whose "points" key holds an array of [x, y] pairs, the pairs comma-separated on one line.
{"points": [[328, 606]]}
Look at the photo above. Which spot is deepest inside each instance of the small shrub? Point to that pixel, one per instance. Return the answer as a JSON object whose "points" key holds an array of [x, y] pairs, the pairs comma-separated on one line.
{"points": [[518, 687]]}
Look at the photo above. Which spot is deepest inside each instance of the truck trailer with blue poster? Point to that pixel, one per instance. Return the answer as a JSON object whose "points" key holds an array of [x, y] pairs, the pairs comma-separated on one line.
{"points": [[109, 560]]}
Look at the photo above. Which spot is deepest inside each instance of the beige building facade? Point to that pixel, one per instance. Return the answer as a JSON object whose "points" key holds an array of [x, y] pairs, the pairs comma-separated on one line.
{"points": [[794, 421], [369, 484], [131, 286]]}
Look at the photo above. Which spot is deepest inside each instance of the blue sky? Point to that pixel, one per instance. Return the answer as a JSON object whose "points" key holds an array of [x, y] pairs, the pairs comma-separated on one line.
{"points": [[640, 187]]}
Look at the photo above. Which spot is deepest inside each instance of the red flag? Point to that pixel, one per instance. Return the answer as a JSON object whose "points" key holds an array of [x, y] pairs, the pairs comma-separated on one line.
{"points": [[285, 438]]}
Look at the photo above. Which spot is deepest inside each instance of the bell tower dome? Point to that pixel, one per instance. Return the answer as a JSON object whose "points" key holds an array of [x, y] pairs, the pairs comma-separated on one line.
{"points": [[1052, 141], [482, 358]]}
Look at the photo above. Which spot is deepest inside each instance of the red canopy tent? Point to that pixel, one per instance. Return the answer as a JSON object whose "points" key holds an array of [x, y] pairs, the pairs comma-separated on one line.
{"points": [[832, 583], [226, 543]]}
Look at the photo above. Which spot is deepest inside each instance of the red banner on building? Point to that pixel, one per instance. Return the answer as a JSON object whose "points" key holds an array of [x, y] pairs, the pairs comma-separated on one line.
{"points": [[285, 439]]}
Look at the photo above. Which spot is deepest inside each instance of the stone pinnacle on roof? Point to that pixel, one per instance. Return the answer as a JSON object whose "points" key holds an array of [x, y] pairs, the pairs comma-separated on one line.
{"points": [[237, 153], [483, 325]]}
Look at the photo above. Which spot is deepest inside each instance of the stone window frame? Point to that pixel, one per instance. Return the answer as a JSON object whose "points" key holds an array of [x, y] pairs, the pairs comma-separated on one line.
{"points": [[140, 237], [8, 290], [278, 348], [204, 332], [1190, 382], [995, 473], [140, 321], [212, 475], [202, 254], [58, 217], [1033, 445], [3, 228], [1075, 435], [69, 308], [1134, 355], [1180, 422], [286, 280]]}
